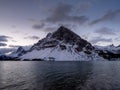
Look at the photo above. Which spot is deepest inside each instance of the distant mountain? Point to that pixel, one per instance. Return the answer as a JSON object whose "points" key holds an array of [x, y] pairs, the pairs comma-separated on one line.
{"points": [[4, 51], [20, 51], [110, 48], [62, 45], [5, 58], [110, 52], [13, 53]]}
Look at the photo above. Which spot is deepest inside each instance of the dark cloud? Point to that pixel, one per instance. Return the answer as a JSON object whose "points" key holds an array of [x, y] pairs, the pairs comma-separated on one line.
{"points": [[4, 38], [32, 19], [105, 31], [14, 46], [62, 13], [83, 6], [32, 37], [3, 44], [100, 39], [108, 16], [38, 26], [50, 29]]}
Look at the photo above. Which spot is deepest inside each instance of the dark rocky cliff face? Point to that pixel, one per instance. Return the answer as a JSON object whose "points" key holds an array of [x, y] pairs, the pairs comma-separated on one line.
{"points": [[66, 35]]}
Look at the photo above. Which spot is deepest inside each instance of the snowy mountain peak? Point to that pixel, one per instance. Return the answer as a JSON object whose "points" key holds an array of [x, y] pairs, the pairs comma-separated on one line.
{"points": [[62, 29], [65, 34]]}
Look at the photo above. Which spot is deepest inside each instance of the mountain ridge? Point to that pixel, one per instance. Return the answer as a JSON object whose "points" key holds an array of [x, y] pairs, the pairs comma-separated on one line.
{"points": [[64, 44]]}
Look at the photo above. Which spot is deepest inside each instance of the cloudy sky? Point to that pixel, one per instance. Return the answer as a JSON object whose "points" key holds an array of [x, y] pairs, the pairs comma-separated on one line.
{"points": [[24, 22]]}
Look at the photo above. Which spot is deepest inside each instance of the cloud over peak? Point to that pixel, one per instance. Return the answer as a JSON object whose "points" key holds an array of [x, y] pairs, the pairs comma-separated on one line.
{"points": [[63, 13], [38, 26]]}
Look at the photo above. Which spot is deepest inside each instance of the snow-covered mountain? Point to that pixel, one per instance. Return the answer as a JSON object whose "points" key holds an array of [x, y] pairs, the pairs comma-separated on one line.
{"points": [[109, 48], [110, 52], [62, 45]]}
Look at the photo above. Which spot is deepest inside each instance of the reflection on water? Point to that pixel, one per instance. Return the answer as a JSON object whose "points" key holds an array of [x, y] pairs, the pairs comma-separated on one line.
{"points": [[59, 75]]}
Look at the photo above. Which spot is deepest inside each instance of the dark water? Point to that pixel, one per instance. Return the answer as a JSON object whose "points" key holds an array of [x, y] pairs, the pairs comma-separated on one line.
{"points": [[59, 75]]}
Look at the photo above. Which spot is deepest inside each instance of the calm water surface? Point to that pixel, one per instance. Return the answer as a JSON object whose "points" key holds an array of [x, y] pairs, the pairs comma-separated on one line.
{"points": [[35, 75]]}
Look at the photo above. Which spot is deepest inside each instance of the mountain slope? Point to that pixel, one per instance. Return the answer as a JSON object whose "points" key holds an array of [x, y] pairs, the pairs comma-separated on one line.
{"points": [[62, 45]]}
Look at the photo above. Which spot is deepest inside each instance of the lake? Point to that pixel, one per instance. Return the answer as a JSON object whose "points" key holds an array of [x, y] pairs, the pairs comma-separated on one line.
{"points": [[41, 75]]}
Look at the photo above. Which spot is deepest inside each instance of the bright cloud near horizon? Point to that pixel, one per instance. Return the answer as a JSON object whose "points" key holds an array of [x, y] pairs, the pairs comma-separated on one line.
{"points": [[24, 22]]}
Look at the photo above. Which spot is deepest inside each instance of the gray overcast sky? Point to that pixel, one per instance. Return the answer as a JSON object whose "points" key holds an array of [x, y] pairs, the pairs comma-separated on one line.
{"points": [[24, 22]]}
